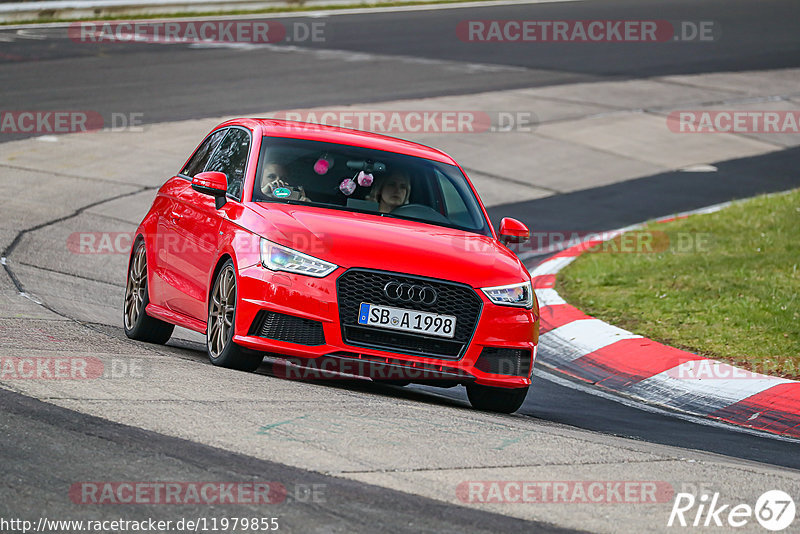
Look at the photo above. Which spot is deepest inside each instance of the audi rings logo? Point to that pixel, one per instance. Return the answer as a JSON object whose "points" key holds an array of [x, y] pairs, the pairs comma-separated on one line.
{"points": [[410, 293]]}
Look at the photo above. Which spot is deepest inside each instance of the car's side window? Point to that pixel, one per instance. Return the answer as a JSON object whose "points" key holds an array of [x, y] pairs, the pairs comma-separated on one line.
{"points": [[457, 210], [198, 161], [231, 159]]}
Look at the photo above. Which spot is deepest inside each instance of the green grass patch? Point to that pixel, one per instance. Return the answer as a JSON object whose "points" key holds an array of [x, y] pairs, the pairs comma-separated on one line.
{"points": [[265, 11], [724, 285]]}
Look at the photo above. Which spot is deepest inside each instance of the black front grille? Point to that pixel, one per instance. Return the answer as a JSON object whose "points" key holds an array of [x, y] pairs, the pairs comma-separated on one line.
{"points": [[500, 361], [400, 340], [361, 285], [282, 327]]}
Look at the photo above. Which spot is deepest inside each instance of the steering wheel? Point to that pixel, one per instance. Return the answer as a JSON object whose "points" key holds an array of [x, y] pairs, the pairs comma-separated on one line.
{"points": [[420, 211]]}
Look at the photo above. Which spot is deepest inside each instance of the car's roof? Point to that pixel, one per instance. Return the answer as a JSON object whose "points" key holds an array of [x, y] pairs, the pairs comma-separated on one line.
{"points": [[344, 136]]}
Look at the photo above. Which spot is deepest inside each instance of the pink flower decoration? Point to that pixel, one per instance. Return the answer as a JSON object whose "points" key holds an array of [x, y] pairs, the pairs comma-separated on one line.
{"points": [[347, 186], [323, 165], [364, 179]]}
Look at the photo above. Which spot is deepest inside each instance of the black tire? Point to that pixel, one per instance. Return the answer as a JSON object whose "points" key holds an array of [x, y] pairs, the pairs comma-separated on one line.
{"points": [[221, 349], [137, 324], [501, 400]]}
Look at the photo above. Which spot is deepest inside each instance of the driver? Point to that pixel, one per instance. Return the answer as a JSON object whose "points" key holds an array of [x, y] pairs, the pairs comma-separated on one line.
{"points": [[391, 190], [275, 176]]}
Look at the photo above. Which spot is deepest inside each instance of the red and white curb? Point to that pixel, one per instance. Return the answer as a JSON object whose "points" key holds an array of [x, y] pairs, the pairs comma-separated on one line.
{"points": [[617, 360]]}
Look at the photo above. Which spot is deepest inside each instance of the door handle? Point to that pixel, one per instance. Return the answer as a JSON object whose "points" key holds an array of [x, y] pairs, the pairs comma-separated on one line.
{"points": [[175, 216]]}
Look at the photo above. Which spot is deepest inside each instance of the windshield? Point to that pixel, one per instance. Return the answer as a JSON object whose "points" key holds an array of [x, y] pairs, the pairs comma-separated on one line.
{"points": [[337, 176]]}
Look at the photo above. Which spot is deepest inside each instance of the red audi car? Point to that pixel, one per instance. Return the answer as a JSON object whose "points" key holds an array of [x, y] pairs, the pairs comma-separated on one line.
{"points": [[336, 250]]}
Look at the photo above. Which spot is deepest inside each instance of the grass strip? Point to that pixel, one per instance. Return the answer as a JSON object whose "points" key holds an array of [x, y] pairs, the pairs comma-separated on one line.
{"points": [[723, 285]]}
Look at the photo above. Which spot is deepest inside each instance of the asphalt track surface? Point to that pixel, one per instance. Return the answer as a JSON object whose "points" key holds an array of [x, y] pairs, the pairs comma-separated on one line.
{"points": [[168, 83], [44, 69], [130, 453]]}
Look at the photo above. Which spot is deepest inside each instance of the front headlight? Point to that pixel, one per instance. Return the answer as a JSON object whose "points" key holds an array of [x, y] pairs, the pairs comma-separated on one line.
{"points": [[511, 295], [279, 258]]}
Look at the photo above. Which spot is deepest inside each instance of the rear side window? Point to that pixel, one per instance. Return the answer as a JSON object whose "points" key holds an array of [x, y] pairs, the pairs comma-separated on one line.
{"points": [[231, 158], [198, 161]]}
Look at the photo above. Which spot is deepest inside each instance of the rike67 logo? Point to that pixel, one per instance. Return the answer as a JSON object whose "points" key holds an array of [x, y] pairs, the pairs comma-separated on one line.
{"points": [[774, 510]]}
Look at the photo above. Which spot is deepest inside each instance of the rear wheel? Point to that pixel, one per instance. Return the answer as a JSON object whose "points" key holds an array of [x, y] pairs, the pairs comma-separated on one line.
{"points": [[221, 349], [138, 325], [500, 400]]}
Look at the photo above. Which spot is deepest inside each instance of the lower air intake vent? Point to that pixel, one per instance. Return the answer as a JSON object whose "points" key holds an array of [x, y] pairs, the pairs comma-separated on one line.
{"points": [[282, 327], [499, 361]]}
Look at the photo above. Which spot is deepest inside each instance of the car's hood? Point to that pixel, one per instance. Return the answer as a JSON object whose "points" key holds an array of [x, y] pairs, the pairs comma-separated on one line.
{"points": [[351, 239]]}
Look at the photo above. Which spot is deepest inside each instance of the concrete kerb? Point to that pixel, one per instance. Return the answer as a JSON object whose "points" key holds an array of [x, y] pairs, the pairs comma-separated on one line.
{"points": [[619, 361]]}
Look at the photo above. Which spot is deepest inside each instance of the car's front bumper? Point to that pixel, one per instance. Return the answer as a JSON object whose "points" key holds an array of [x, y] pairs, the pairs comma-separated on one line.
{"points": [[315, 299]]}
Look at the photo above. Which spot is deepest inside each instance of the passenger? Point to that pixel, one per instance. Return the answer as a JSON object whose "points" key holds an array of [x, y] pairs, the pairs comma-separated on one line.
{"points": [[391, 190], [277, 175]]}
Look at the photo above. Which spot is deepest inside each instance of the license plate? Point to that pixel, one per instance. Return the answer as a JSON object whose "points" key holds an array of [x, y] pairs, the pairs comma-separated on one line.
{"points": [[418, 322]]}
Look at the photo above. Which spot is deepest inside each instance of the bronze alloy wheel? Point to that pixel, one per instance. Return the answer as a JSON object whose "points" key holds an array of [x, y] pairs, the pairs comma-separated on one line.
{"points": [[136, 288], [222, 350], [136, 322], [221, 312]]}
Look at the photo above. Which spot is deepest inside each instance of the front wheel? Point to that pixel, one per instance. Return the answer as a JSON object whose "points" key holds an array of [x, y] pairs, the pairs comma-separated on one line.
{"points": [[221, 349], [500, 400], [137, 324]]}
